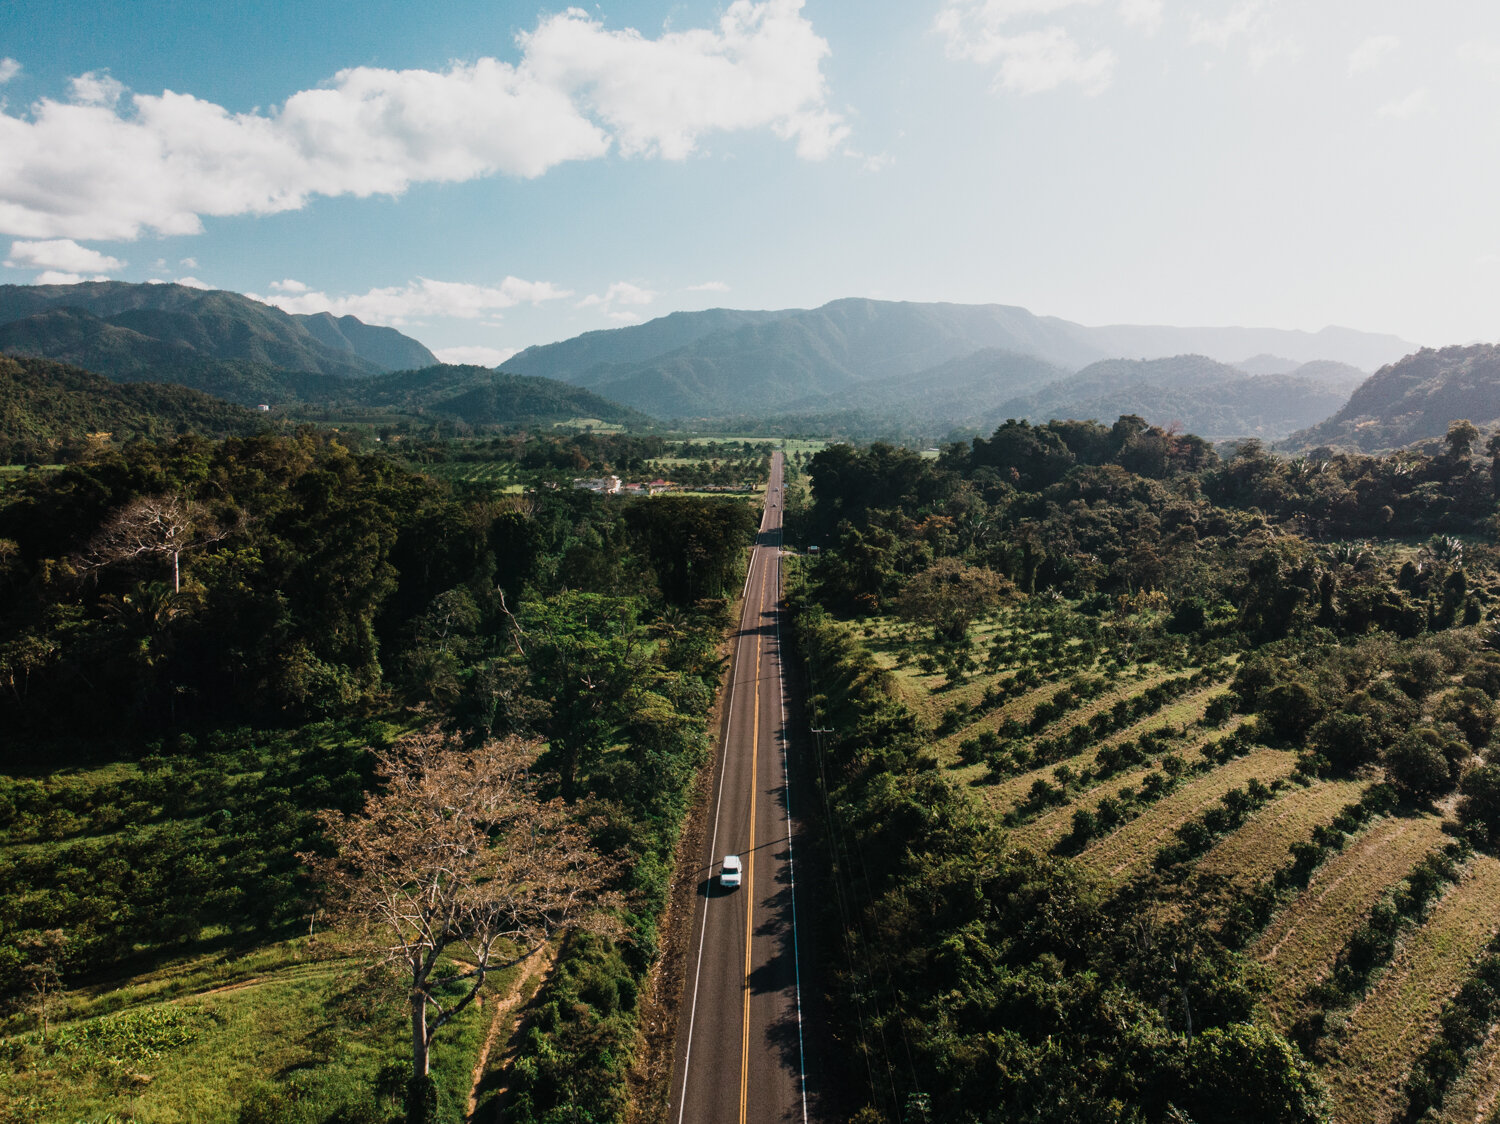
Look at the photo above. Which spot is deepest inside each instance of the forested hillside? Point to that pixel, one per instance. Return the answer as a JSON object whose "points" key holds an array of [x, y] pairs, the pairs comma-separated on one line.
{"points": [[475, 396], [1192, 392], [113, 320], [51, 411], [209, 651], [1413, 400], [1159, 787]]}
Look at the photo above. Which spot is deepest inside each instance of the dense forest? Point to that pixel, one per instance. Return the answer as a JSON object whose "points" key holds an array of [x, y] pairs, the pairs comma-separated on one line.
{"points": [[1159, 786], [50, 412], [201, 644]]}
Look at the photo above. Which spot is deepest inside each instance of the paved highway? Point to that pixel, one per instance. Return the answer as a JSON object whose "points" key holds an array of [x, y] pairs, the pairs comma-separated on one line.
{"points": [[740, 1056]]}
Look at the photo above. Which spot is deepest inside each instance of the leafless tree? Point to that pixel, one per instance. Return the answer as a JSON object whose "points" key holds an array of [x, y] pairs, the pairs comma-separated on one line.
{"points": [[455, 869], [152, 528]]}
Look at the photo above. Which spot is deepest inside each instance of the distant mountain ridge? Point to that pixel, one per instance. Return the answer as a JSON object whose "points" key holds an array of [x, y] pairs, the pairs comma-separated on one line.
{"points": [[725, 362], [1203, 396], [387, 348], [1413, 400], [246, 352], [178, 324]]}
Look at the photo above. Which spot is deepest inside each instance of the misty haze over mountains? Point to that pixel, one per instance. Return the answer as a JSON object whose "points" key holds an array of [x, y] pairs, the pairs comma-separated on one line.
{"points": [[854, 367], [961, 365]]}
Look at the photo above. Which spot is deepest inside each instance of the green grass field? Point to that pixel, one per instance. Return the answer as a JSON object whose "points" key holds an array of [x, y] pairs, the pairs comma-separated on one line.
{"points": [[297, 1023]]}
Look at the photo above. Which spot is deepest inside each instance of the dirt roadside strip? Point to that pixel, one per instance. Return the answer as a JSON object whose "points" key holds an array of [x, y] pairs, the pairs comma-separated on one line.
{"points": [[536, 971]]}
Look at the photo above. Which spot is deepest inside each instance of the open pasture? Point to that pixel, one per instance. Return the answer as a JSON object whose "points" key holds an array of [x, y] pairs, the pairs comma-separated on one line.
{"points": [[1300, 944], [1385, 1033], [1137, 841], [295, 1021], [1259, 847]]}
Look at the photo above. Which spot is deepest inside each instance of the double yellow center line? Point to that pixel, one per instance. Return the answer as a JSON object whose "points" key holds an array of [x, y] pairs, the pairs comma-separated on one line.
{"points": [[749, 884]]}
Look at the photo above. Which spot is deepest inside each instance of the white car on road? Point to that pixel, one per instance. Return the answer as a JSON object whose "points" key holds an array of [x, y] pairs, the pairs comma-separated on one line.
{"points": [[729, 873]]}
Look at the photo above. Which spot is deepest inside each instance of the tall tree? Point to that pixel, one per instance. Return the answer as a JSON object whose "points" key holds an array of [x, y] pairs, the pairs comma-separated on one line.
{"points": [[454, 869], [152, 527]]}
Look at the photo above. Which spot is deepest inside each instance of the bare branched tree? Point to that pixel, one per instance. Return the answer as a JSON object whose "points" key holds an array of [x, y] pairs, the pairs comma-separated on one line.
{"points": [[456, 869], [152, 528]]}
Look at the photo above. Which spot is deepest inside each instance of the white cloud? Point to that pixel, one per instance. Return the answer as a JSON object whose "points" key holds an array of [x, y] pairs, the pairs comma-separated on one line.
{"points": [[1371, 53], [1026, 62], [189, 263], [1487, 55], [1219, 32], [288, 286], [1043, 60], [478, 356], [1145, 14], [621, 317], [621, 292], [867, 163], [109, 164], [193, 283], [63, 277], [95, 88], [1268, 50], [62, 255], [709, 287], [1404, 109], [424, 297], [9, 68]]}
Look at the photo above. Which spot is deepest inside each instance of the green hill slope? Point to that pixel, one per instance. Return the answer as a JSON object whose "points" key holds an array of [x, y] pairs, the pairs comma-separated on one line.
{"points": [[1414, 400], [212, 324], [478, 396], [45, 406]]}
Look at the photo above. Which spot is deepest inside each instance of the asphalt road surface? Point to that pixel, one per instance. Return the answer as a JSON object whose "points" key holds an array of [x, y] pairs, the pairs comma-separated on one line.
{"points": [[740, 1053]]}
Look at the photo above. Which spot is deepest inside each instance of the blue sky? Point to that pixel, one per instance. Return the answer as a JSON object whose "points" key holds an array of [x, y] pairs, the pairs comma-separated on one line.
{"points": [[492, 175]]}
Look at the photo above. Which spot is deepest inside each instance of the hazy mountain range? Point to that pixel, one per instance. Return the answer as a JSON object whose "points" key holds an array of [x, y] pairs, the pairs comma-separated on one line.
{"points": [[718, 363], [246, 352], [858, 368]]}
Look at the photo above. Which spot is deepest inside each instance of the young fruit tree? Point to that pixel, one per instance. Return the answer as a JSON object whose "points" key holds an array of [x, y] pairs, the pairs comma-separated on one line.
{"points": [[455, 868]]}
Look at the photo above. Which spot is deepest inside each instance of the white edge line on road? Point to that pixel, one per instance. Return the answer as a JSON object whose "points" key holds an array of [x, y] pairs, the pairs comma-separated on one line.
{"points": [[687, 1057], [791, 864]]}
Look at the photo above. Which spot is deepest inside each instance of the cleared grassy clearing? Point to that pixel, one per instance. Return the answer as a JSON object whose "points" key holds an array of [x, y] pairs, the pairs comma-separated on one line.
{"points": [[1473, 1098], [1385, 1033], [1183, 711], [1260, 846], [296, 1014], [1301, 942], [1139, 839]]}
